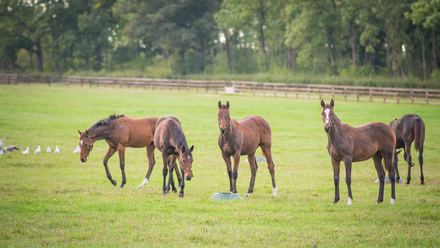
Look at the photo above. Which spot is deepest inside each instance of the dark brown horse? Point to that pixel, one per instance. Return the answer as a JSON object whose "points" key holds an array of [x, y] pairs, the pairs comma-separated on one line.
{"points": [[354, 144], [407, 129], [243, 137], [170, 140], [120, 132]]}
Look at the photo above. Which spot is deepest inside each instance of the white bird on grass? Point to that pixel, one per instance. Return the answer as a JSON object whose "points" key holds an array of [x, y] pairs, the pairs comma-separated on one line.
{"points": [[38, 150], [48, 150], [26, 152], [77, 150], [56, 150]]}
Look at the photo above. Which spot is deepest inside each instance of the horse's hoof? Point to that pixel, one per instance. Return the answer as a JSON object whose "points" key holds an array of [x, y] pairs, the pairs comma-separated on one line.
{"points": [[392, 201], [114, 183], [412, 164], [274, 191], [349, 201], [181, 194], [247, 195], [423, 183], [122, 186], [145, 182], [175, 190], [379, 201]]}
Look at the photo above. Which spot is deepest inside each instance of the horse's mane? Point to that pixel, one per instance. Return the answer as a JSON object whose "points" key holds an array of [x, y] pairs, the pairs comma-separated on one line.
{"points": [[107, 121], [176, 134]]}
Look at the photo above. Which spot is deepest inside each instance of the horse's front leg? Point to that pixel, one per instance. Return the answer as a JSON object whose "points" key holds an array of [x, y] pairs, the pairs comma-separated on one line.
{"points": [[336, 170], [229, 169], [110, 153], [235, 171], [151, 162], [121, 152], [164, 172], [254, 167], [171, 166], [348, 163], [182, 184]]}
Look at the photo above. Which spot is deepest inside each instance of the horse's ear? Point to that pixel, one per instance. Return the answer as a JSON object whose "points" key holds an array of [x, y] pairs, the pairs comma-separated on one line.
{"points": [[397, 153], [332, 103], [322, 104], [183, 149], [87, 132], [192, 148], [219, 104], [79, 133], [227, 104]]}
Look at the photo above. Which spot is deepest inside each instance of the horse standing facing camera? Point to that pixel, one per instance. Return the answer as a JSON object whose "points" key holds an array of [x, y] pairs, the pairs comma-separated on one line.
{"points": [[354, 144], [243, 137]]}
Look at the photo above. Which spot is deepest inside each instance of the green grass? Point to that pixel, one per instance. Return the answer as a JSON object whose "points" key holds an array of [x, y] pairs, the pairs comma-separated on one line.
{"points": [[55, 200]]}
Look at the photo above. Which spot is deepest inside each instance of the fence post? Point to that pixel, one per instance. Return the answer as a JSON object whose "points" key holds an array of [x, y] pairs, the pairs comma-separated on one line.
{"points": [[398, 94], [357, 94], [345, 94], [371, 95], [384, 97], [426, 97], [264, 89], [29, 80], [275, 90], [253, 88], [320, 94], [296, 90], [333, 92], [308, 92], [412, 97], [285, 90], [48, 80]]}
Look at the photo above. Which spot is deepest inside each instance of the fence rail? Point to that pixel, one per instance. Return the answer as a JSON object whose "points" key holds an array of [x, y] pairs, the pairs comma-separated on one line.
{"points": [[308, 91]]}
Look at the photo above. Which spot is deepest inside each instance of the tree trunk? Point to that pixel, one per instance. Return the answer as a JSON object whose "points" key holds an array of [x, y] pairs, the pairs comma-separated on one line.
{"points": [[201, 54], [228, 48], [39, 54], [434, 66], [389, 62], [291, 59]]}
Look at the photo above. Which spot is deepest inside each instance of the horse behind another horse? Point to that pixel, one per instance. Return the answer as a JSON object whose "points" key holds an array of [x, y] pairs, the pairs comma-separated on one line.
{"points": [[408, 129], [170, 140]]}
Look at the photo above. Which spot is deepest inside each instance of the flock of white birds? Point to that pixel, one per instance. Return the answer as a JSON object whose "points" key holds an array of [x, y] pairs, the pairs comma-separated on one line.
{"points": [[14, 148]]}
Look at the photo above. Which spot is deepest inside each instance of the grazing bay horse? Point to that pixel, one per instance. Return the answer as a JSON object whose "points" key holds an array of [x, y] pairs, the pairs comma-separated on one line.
{"points": [[354, 144], [407, 129], [243, 137], [119, 132], [170, 140]]}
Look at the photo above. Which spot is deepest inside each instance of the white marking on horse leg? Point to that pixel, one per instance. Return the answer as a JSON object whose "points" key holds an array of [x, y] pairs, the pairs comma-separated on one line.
{"points": [[274, 191], [145, 182], [349, 201], [392, 201], [247, 195]]}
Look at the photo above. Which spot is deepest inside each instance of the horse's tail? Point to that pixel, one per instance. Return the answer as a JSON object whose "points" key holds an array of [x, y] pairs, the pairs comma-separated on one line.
{"points": [[419, 134], [262, 153]]}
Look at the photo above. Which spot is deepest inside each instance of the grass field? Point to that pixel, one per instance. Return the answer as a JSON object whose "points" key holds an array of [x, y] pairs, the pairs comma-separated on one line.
{"points": [[55, 200]]}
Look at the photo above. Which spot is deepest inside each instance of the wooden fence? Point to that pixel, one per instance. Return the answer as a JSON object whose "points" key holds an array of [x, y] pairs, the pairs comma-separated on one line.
{"points": [[308, 91]]}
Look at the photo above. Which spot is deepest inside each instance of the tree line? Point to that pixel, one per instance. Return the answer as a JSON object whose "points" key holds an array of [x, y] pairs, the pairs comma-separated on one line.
{"points": [[397, 38]]}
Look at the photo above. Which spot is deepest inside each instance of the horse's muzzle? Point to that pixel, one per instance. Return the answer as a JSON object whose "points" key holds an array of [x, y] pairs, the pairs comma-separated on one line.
{"points": [[327, 129], [83, 159], [222, 130], [188, 178]]}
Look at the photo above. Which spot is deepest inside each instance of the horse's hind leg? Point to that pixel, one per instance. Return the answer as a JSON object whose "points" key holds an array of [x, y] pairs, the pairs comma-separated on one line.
{"points": [[271, 166], [422, 178], [151, 162], [336, 169], [408, 160], [110, 153], [377, 158], [388, 159], [254, 168]]}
